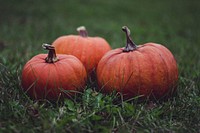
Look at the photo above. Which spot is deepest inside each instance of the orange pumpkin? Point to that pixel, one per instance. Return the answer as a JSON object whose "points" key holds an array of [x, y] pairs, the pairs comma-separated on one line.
{"points": [[89, 50], [148, 70], [52, 77]]}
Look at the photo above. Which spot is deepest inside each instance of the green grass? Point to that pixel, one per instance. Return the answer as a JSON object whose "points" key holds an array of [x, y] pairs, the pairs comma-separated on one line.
{"points": [[25, 25]]}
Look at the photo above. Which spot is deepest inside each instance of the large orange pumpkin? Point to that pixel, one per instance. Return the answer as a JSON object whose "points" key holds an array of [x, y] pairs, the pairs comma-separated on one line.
{"points": [[52, 77], [89, 50], [148, 70]]}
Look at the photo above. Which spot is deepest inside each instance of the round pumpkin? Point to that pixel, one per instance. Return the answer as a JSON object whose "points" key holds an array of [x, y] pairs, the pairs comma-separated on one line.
{"points": [[89, 50], [53, 76], [148, 70]]}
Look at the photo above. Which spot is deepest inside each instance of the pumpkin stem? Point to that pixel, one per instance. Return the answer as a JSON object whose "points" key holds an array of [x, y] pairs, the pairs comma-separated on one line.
{"points": [[130, 45], [82, 31], [51, 58]]}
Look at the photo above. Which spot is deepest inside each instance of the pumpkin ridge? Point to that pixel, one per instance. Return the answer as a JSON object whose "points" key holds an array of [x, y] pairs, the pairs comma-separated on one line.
{"points": [[77, 76], [73, 47], [117, 73], [31, 63], [165, 67], [172, 68], [166, 71], [58, 76], [51, 80], [95, 57], [116, 52], [121, 72], [67, 65], [36, 79], [47, 81], [89, 60], [34, 66], [105, 62], [111, 71], [131, 73], [153, 75], [61, 47], [139, 72], [72, 71], [76, 73], [83, 55], [28, 69], [102, 76], [39, 59]]}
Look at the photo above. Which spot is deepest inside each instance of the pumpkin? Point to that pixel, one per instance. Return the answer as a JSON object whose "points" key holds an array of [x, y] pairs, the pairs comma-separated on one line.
{"points": [[89, 50], [53, 76], [148, 70]]}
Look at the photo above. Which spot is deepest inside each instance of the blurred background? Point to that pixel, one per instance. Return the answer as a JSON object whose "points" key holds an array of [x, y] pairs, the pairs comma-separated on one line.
{"points": [[26, 24]]}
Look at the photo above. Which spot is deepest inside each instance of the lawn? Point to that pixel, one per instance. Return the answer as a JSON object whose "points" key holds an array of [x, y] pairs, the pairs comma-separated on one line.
{"points": [[25, 25]]}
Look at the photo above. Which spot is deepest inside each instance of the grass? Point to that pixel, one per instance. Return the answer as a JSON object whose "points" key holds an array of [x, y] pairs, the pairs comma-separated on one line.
{"points": [[25, 25]]}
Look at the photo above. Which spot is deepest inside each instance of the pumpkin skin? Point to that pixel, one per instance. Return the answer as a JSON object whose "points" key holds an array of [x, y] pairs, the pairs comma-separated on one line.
{"points": [[51, 80], [148, 70], [89, 50]]}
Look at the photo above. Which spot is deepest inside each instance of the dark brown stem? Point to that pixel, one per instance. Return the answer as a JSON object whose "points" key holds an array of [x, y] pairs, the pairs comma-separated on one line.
{"points": [[130, 45], [82, 31], [51, 58]]}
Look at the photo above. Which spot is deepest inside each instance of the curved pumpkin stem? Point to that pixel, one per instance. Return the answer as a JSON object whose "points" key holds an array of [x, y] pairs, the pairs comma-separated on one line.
{"points": [[130, 45], [82, 31], [51, 58]]}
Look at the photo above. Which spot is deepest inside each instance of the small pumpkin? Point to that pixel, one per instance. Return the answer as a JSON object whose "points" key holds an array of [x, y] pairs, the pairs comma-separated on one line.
{"points": [[89, 50], [148, 70], [53, 76]]}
